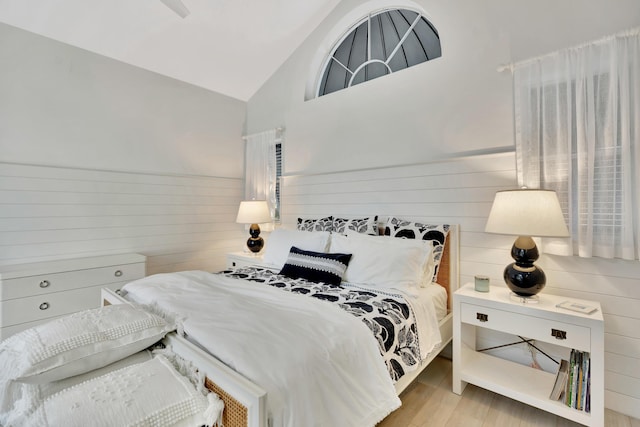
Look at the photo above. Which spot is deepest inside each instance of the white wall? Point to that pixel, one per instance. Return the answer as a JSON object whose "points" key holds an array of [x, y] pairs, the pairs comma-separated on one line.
{"points": [[452, 106], [97, 156], [65, 106], [455, 104], [179, 222], [460, 191]]}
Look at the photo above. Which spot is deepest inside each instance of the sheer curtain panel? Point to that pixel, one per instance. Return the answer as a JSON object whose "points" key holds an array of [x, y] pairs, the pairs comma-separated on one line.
{"points": [[577, 131], [261, 167]]}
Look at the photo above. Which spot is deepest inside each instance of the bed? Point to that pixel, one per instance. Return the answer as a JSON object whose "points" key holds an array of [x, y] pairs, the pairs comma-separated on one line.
{"points": [[284, 351], [253, 398]]}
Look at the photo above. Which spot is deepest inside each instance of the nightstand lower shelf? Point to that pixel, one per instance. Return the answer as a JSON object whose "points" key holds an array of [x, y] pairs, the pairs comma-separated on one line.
{"points": [[518, 382]]}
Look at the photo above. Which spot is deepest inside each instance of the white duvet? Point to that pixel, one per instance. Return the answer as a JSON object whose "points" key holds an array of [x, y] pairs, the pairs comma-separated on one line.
{"points": [[319, 365]]}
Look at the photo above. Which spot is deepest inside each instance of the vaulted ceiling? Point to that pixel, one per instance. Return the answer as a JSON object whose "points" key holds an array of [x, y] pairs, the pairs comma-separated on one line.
{"points": [[228, 46]]}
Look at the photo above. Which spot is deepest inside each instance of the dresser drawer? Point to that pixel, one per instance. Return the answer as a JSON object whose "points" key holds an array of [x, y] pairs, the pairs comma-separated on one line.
{"points": [[565, 334], [40, 307], [28, 286]]}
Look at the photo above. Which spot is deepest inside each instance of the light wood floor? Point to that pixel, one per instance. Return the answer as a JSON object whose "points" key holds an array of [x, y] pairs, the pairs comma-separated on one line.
{"points": [[429, 401]]}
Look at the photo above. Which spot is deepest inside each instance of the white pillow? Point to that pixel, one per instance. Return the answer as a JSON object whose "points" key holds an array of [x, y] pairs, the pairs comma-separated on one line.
{"points": [[25, 398], [384, 262], [79, 343], [434, 233], [429, 267], [48, 389], [280, 242], [149, 393]]}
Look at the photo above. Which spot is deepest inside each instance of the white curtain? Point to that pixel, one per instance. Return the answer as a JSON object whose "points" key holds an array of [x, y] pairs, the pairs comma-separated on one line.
{"points": [[260, 167], [577, 131]]}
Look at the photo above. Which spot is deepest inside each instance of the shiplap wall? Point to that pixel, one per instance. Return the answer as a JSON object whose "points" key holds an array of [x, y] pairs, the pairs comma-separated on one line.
{"points": [[179, 222], [461, 191]]}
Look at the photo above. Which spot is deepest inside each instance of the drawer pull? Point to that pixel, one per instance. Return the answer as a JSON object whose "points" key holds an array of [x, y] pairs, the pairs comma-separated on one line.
{"points": [[482, 317], [558, 334], [45, 284], [118, 291], [118, 273], [44, 306]]}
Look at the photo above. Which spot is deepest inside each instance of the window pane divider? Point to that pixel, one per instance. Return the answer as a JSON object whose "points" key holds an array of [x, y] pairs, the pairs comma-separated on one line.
{"points": [[402, 40], [342, 65]]}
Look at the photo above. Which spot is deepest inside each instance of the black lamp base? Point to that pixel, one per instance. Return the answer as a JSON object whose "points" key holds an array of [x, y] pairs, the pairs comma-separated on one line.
{"points": [[524, 280], [523, 277], [255, 242]]}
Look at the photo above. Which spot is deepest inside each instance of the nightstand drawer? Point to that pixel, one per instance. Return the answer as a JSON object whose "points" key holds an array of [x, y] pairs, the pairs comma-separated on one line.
{"points": [[565, 334], [242, 259]]}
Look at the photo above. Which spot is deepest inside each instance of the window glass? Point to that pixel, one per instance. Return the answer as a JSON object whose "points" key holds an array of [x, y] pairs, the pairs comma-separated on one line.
{"points": [[278, 179], [382, 43]]}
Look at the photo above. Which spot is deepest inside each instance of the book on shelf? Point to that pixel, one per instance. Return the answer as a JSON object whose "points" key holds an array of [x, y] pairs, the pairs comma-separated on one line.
{"points": [[572, 385], [561, 380], [587, 384], [575, 380], [587, 404], [579, 383]]}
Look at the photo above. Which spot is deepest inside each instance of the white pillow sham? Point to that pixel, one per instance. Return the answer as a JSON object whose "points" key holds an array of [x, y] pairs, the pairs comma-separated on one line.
{"points": [[48, 389], [383, 262], [27, 397], [80, 342], [434, 233], [281, 240], [429, 266], [148, 393]]}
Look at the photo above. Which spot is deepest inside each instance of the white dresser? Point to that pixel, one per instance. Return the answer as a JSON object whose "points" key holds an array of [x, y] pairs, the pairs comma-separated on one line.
{"points": [[33, 293]]}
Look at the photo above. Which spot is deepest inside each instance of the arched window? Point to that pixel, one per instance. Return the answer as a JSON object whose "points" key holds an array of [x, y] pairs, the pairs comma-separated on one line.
{"points": [[381, 43]]}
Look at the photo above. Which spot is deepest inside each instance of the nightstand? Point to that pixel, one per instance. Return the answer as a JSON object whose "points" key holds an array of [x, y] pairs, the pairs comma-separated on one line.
{"points": [[243, 259], [543, 322]]}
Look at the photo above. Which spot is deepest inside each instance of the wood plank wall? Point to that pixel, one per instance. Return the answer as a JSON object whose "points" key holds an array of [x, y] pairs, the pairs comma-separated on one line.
{"points": [[461, 191], [178, 222]]}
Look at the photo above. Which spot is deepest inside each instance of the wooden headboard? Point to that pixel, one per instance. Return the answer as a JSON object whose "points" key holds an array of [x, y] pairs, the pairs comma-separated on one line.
{"points": [[444, 272], [448, 273]]}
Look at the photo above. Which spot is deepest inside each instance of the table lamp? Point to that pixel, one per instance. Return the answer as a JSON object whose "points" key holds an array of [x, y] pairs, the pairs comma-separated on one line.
{"points": [[526, 213], [254, 212]]}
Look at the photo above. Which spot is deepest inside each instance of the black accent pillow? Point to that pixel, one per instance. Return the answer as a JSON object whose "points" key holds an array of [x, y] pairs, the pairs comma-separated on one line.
{"points": [[316, 266]]}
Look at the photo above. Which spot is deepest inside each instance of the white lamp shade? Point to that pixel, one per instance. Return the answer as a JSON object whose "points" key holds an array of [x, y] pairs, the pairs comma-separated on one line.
{"points": [[253, 212], [527, 212]]}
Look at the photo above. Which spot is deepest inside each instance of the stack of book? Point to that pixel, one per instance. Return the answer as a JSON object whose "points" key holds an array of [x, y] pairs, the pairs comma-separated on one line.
{"points": [[573, 381]]}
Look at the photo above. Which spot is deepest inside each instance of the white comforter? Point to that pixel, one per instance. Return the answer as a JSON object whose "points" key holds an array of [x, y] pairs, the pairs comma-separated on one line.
{"points": [[319, 365]]}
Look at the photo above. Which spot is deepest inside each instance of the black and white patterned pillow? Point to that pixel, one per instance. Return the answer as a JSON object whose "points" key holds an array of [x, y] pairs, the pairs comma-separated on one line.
{"points": [[319, 224], [436, 233], [317, 267], [361, 225]]}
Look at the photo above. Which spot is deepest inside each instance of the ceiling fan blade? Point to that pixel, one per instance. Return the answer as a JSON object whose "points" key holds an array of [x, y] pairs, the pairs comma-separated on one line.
{"points": [[177, 6]]}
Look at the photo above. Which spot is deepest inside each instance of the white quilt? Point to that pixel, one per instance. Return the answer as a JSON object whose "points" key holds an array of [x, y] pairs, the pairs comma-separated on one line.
{"points": [[319, 365]]}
